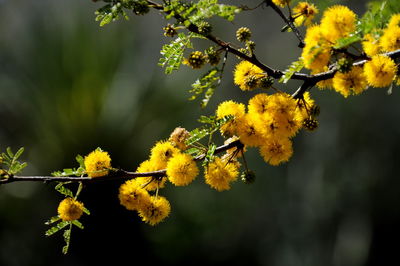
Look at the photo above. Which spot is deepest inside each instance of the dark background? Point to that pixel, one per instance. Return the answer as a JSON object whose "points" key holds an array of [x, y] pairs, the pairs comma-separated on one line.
{"points": [[68, 86]]}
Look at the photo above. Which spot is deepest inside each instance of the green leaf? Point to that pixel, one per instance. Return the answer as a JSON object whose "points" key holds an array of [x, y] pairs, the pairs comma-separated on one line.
{"points": [[106, 19], [172, 53], [86, 211], [345, 42], [210, 154], [377, 16], [296, 66], [19, 152], [67, 239], [214, 124], [80, 160], [77, 224], [208, 82], [52, 220], [63, 190], [57, 228]]}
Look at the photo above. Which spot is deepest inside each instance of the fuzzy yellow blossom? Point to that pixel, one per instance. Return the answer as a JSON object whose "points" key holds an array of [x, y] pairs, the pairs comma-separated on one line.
{"points": [[97, 163], [390, 40], [316, 53], [277, 151], [162, 152], [304, 13], [219, 174], [156, 210], [380, 71], [370, 45], [133, 196], [258, 104], [248, 130], [70, 209], [246, 75], [394, 21], [148, 182], [324, 84], [182, 169], [304, 106], [337, 22], [350, 83], [178, 138], [237, 110], [281, 3]]}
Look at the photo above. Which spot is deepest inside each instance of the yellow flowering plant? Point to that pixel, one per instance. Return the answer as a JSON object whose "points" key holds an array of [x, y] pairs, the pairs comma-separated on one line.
{"points": [[344, 51]]}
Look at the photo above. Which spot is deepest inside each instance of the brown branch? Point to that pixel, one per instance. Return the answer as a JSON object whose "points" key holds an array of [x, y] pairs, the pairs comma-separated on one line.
{"points": [[114, 175], [288, 21]]}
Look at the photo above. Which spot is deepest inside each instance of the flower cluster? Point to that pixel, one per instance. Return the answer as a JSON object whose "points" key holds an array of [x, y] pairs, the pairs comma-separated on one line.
{"points": [[269, 124], [319, 54]]}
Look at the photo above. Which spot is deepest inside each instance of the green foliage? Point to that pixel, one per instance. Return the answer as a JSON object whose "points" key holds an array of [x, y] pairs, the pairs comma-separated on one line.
{"points": [[52, 220], [63, 190], [214, 124], [73, 171], [57, 228], [208, 83], [377, 16], [210, 154], [67, 238], [172, 53], [109, 13], [296, 66], [347, 41], [10, 160]]}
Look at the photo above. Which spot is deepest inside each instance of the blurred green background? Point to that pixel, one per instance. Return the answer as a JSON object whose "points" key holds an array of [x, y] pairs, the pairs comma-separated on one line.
{"points": [[68, 86]]}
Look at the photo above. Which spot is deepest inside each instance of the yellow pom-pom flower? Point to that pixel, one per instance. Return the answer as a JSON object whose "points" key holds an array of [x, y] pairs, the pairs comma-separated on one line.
{"points": [[380, 71], [281, 3], [248, 130], [371, 45], [219, 174], [70, 209], [352, 82], [246, 75], [337, 22], [182, 169], [258, 104], [316, 53], [97, 163], [276, 151], [149, 182], [237, 110], [304, 13], [133, 196], [390, 40], [156, 210], [394, 21], [162, 152]]}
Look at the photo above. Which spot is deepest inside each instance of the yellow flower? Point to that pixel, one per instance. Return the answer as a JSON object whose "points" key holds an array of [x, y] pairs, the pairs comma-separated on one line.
{"points": [[390, 40], [156, 210], [276, 150], [97, 163], [281, 3], [230, 108], [304, 106], [380, 71], [370, 45], [394, 21], [132, 196], [304, 13], [316, 53], [338, 22], [219, 174], [150, 182], [178, 138], [248, 130], [162, 152], [70, 209], [182, 169], [258, 104], [352, 82], [324, 84], [246, 75]]}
